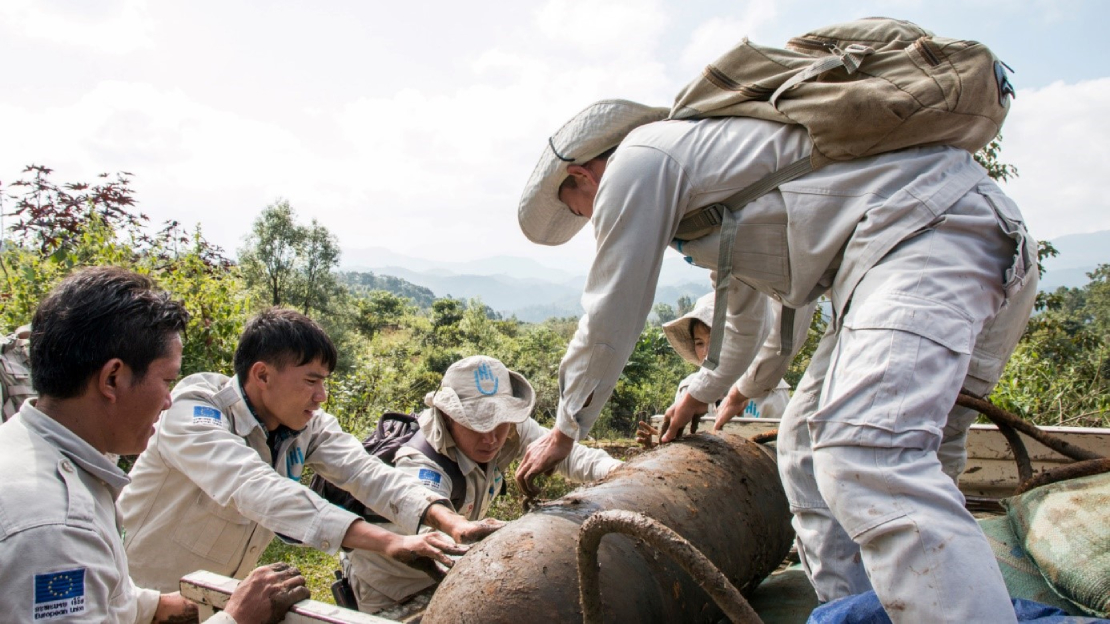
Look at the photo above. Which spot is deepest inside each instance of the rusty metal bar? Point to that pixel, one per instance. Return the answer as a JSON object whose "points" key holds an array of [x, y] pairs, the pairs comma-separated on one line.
{"points": [[700, 568]]}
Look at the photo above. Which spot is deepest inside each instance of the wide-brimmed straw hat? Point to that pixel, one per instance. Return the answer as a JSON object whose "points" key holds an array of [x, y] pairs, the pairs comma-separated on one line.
{"points": [[600, 127], [680, 332], [479, 393]]}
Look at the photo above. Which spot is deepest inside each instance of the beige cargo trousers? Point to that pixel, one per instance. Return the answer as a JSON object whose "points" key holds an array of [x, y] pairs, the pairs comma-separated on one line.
{"points": [[858, 446]]}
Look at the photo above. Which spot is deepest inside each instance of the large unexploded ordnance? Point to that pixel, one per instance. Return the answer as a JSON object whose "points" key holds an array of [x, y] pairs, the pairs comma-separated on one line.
{"points": [[722, 493]]}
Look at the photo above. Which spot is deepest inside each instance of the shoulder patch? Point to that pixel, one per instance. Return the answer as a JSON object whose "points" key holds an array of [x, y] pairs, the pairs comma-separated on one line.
{"points": [[204, 415], [59, 594], [430, 478]]}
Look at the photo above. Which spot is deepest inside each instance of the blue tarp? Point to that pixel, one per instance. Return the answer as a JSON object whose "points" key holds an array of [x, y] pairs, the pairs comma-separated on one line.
{"points": [[865, 609]]}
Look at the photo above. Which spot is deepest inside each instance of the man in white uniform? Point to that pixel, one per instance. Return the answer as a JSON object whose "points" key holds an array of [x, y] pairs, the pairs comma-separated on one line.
{"points": [[105, 348], [931, 275], [222, 473], [480, 421], [689, 337]]}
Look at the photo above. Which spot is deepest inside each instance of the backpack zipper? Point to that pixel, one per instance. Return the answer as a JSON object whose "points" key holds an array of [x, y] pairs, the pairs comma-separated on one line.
{"points": [[931, 56], [722, 81], [811, 44]]}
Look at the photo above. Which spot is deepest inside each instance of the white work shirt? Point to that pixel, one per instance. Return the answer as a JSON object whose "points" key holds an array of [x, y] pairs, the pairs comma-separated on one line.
{"points": [[205, 494], [379, 581], [771, 405], [61, 557], [817, 234]]}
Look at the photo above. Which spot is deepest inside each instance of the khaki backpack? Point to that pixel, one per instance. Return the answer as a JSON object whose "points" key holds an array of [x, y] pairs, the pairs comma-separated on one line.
{"points": [[860, 88], [15, 371]]}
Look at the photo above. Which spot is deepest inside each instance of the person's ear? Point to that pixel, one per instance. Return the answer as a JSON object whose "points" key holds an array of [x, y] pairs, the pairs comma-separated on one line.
{"points": [[259, 373], [109, 379], [579, 173]]}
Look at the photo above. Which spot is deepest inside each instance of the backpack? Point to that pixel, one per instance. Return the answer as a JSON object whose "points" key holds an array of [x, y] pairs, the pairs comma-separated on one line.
{"points": [[15, 371], [860, 88], [394, 431]]}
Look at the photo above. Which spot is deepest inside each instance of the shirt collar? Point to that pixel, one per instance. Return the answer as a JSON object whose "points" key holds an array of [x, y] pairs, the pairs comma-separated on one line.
{"points": [[74, 447]]}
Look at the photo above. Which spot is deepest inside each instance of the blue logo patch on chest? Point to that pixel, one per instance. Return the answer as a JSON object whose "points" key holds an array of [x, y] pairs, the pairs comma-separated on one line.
{"points": [[59, 594]]}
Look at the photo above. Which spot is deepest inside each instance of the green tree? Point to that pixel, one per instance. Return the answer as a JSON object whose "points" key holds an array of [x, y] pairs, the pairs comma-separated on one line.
{"points": [[269, 258], [60, 228], [664, 313], [317, 261]]}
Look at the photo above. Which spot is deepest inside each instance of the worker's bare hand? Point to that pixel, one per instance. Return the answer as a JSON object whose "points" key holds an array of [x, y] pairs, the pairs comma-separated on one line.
{"points": [[267, 594], [732, 406], [684, 412], [541, 458], [646, 434], [175, 609], [432, 546], [470, 532]]}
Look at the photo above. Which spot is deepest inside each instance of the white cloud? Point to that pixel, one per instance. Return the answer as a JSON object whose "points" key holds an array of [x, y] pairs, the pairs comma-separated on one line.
{"points": [[1057, 137], [717, 35], [114, 27], [625, 28]]}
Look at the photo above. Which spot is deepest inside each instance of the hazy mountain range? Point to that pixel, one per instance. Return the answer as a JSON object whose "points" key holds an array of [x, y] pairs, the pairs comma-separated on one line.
{"points": [[533, 291]]}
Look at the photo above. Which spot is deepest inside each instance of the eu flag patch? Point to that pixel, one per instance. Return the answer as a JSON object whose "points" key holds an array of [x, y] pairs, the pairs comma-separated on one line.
{"points": [[204, 415], [58, 594], [430, 478]]}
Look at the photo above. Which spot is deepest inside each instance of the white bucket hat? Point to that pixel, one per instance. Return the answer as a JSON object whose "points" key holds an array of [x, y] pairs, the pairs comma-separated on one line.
{"points": [[479, 393], [680, 332], [600, 127]]}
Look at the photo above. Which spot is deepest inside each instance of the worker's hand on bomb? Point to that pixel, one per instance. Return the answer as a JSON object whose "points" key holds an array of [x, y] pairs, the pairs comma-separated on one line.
{"points": [[685, 411], [734, 404], [425, 552], [470, 532], [541, 458], [646, 434]]}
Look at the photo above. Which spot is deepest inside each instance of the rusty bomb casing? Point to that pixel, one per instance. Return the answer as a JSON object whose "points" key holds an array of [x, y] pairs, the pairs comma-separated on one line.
{"points": [[722, 493]]}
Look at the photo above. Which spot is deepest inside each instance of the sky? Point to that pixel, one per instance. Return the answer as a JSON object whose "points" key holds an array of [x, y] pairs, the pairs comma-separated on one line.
{"points": [[413, 126]]}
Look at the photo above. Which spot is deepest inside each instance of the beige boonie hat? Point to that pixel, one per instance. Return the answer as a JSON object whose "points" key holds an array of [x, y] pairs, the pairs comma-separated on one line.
{"points": [[680, 332], [600, 127], [479, 393]]}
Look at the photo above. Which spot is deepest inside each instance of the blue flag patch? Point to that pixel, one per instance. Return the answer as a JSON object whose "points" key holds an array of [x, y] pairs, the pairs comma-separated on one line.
{"points": [[204, 415], [58, 594], [430, 478]]}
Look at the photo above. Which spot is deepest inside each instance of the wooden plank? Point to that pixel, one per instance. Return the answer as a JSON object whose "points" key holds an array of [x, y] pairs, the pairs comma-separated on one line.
{"points": [[211, 591]]}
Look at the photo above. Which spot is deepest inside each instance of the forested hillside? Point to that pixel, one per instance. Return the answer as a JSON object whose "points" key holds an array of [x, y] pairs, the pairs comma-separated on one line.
{"points": [[395, 346]]}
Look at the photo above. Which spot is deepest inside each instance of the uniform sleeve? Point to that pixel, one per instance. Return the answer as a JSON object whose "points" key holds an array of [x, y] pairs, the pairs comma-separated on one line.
{"points": [[396, 494], [765, 374], [230, 472], [584, 464], [55, 569], [748, 323], [146, 602], [641, 200]]}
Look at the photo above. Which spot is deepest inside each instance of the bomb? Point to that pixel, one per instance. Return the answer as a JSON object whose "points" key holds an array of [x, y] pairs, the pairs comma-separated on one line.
{"points": [[721, 493]]}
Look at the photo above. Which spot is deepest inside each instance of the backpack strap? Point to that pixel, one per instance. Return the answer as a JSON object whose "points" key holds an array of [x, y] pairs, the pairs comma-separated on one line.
{"points": [[458, 483], [724, 212]]}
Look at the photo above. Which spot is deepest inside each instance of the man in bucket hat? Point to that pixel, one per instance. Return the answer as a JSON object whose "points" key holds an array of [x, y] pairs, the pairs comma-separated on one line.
{"points": [[689, 336], [931, 275], [480, 419]]}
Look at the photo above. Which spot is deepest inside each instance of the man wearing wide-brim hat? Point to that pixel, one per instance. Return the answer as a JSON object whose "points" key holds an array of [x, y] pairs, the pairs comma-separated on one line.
{"points": [[931, 276], [478, 421]]}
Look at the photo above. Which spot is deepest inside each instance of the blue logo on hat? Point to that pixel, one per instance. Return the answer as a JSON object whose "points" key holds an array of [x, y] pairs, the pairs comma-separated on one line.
{"points": [[485, 374]]}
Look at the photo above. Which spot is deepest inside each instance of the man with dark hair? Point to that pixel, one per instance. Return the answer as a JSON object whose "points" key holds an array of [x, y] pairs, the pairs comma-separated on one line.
{"points": [[105, 349], [222, 474]]}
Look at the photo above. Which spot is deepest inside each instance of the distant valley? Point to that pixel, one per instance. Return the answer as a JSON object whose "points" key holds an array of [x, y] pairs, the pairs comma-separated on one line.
{"points": [[533, 292]]}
